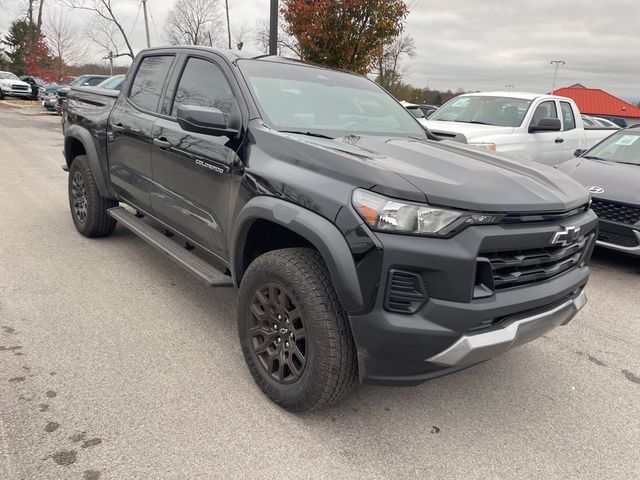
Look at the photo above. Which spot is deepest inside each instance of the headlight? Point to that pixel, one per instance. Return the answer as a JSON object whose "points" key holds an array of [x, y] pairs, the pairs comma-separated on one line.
{"points": [[488, 146], [389, 215]]}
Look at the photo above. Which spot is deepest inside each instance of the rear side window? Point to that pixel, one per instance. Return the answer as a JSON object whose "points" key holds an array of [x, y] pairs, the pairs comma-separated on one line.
{"points": [[92, 82], [568, 119], [149, 80], [203, 84]]}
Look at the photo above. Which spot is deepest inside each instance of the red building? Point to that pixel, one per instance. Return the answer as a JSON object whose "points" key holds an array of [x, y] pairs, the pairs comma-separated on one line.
{"points": [[598, 103]]}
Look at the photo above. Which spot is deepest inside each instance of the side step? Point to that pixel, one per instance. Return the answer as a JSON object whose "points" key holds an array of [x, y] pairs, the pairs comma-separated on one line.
{"points": [[192, 263]]}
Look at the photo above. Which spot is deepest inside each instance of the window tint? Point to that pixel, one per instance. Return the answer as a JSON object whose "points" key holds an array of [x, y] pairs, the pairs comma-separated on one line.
{"points": [[567, 116], [545, 110], [203, 84], [92, 82], [150, 77]]}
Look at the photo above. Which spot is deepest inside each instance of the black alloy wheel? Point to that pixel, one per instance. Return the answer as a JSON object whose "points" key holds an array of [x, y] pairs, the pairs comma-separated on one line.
{"points": [[79, 192], [278, 335]]}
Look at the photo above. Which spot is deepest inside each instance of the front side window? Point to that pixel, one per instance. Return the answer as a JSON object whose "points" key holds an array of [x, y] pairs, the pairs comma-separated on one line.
{"points": [[149, 80], [568, 119], [204, 85], [490, 110], [544, 110]]}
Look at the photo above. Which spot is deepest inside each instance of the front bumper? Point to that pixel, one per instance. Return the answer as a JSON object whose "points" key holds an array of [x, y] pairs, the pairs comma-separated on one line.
{"points": [[461, 325], [619, 237], [472, 349]]}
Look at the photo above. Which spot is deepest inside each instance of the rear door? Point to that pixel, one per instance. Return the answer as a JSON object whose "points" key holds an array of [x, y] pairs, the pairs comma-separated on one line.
{"points": [[192, 171], [131, 128], [545, 147], [573, 137]]}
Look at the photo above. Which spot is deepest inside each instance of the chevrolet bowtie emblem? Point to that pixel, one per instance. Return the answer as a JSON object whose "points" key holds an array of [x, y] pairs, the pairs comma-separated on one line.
{"points": [[566, 236]]}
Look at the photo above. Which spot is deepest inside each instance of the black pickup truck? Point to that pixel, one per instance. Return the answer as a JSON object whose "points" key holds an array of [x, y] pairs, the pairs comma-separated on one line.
{"points": [[362, 247]]}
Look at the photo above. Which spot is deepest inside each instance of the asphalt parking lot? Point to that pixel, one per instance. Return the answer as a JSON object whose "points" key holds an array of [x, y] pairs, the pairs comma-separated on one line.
{"points": [[114, 364]]}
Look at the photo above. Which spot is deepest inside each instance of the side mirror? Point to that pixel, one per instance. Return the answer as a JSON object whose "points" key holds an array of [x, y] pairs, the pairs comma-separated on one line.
{"points": [[207, 120], [546, 125], [579, 152]]}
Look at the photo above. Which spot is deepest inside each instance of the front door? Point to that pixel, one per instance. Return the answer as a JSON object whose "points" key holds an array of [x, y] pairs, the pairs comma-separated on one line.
{"points": [[545, 147], [131, 128], [573, 138], [192, 171]]}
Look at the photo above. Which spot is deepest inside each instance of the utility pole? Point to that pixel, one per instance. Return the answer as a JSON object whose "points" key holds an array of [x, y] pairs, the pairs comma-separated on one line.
{"points": [[557, 63], [226, 4], [273, 28], [110, 58], [146, 22]]}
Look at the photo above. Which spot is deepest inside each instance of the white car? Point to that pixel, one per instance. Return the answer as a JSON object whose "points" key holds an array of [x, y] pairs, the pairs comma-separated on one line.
{"points": [[544, 128], [12, 86]]}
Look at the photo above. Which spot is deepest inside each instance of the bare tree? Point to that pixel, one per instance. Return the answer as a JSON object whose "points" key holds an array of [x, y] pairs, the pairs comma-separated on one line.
{"points": [[65, 41], [388, 67], [240, 35], [193, 22], [104, 9], [287, 45]]}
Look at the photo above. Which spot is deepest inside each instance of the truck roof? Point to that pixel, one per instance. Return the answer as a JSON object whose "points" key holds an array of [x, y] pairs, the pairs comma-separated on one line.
{"points": [[522, 95]]}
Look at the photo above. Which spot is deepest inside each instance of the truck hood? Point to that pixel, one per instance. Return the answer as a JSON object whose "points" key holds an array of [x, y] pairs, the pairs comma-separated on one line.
{"points": [[452, 175], [620, 182], [472, 132]]}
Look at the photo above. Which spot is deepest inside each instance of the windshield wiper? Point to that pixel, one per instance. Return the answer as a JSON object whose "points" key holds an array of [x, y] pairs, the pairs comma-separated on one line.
{"points": [[308, 134], [593, 157], [627, 163], [472, 121]]}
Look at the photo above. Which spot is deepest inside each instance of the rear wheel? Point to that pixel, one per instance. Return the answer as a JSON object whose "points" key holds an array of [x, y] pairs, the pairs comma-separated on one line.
{"points": [[295, 337], [88, 207]]}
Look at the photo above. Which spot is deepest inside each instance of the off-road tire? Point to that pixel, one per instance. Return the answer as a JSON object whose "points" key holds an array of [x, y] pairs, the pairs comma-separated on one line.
{"points": [[331, 363], [92, 220]]}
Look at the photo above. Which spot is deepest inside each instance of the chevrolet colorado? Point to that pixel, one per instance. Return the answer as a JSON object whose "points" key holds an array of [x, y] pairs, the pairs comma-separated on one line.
{"points": [[362, 246]]}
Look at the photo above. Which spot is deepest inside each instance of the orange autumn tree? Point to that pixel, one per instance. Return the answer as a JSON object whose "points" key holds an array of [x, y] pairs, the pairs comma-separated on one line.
{"points": [[347, 34]]}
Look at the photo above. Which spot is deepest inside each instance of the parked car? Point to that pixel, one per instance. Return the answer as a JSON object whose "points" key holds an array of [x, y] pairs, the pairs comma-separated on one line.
{"points": [[543, 128], [82, 81], [362, 247], [112, 83], [12, 86], [598, 123], [413, 109], [428, 109], [35, 82], [49, 96], [611, 172]]}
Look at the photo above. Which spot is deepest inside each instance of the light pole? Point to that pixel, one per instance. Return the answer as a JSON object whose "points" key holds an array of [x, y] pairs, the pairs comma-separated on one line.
{"points": [[273, 28], [557, 63], [146, 22]]}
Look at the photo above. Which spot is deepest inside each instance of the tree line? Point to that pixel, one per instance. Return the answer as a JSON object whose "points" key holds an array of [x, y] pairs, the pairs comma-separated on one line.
{"points": [[367, 37]]}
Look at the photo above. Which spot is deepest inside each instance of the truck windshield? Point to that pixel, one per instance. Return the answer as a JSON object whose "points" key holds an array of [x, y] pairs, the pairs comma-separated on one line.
{"points": [[621, 147], [497, 111], [8, 76], [312, 100]]}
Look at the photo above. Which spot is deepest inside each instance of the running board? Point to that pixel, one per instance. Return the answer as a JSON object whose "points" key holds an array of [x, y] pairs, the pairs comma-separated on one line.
{"points": [[192, 263]]}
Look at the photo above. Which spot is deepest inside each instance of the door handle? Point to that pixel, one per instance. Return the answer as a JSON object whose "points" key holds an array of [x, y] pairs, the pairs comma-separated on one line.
{"points": [[118, 127], [161, 143], [559, 140]]}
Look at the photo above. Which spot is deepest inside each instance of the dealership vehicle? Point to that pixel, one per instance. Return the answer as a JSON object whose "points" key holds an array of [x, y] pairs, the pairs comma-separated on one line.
{"points": [[598, 123], [12, 86], [36, 84], [428, 109], [112, 83], [82, 81], [361, 245], [543, 128], [413, 109], [611, 172]]}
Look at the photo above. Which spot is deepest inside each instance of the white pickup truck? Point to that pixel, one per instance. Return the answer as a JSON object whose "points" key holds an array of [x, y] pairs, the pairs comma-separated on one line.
{"points": [[544, 128]]}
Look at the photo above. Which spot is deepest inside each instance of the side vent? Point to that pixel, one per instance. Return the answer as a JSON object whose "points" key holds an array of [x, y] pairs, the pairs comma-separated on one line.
{"points": [[405, 292]]}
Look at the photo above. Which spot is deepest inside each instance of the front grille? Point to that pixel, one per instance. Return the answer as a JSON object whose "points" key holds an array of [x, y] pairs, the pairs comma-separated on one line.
{"points": [[522, 267], [405, 292], [624, 240], [23, 88], [616, 212]]}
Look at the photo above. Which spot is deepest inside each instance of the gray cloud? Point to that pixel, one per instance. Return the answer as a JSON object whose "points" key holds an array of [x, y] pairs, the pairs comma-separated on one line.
{"points": [[479, 45]]}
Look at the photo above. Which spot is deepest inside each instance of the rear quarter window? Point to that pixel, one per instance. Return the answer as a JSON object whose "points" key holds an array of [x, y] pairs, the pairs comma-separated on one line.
{"points": [[568, 120]]}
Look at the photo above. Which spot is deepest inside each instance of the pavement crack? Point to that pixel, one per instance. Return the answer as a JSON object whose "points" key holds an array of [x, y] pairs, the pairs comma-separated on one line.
{"points": [[632, 377]]}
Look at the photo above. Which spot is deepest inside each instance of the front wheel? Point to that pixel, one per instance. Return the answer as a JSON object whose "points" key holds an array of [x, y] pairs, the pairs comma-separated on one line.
{"points": [[88, 207], [295, 337]]}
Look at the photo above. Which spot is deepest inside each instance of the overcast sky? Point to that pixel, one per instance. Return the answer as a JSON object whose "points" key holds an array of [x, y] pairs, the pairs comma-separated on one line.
{"points": [[477, 44]]}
